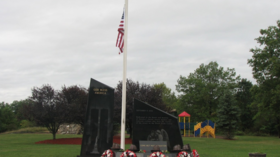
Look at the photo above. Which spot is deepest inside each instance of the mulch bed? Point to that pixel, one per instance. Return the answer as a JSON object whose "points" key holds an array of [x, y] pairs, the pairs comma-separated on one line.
{"points": [[78, 141]]}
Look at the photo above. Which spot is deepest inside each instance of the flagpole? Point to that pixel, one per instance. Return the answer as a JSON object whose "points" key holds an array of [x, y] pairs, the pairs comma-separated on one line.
{"points": [[124, 78]]}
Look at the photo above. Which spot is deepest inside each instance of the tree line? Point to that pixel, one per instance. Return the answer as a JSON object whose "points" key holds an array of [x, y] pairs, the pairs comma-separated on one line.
{"points": [[50, 108], [210, 92]]}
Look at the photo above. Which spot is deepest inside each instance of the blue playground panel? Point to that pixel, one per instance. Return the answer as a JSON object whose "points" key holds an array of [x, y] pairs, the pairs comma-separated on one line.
{"points": [[207, 122], [203, 124], [197, 132], [181, 124], [211, 124]]}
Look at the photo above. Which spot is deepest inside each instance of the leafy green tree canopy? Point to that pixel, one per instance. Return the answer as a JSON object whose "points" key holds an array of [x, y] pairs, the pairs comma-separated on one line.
{"points": [[265, 63], [201, 90], [266, 58], [169, 98], [244, 99], [18, 108], [8, 120]]}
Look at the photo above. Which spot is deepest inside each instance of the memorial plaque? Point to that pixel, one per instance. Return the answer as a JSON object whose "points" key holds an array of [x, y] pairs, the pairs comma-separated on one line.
{"points": [[153, 124], [98, 129], [148, 145]]}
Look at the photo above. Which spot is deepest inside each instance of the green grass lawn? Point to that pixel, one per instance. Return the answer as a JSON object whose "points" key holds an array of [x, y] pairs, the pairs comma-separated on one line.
{"points": [[23, 145], [241, 146]]}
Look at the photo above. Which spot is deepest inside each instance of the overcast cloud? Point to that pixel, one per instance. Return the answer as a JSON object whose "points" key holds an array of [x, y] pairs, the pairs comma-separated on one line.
{"points": [[68, 42]]}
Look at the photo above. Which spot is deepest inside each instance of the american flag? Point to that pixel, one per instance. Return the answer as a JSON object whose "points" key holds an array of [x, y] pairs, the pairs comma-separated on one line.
{"points": [[120, 39]]}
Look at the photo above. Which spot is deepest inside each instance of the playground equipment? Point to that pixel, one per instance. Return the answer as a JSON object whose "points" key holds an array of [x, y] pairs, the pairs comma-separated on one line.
{"points": [[205, 127], [185, 114]]}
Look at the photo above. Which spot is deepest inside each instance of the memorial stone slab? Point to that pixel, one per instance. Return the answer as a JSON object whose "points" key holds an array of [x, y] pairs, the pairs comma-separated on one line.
{"points": [[153, 124], [98, 129]]}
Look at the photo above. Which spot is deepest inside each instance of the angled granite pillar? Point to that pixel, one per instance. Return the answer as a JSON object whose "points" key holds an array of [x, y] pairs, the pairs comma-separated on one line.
{"points": [[98, 129], [153, 124]]}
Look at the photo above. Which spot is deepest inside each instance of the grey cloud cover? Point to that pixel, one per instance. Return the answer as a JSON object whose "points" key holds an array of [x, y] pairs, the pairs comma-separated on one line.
{"points": [[69, 42]]}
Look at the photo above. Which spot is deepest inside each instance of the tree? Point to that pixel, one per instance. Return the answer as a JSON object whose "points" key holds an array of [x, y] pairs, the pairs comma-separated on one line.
{"points": [[143, 92], [244, 99], [168, 97], [228, 114], [45, 109], [8, 120], [201, 90], [265, 63], [74, 101], [17, 108]]}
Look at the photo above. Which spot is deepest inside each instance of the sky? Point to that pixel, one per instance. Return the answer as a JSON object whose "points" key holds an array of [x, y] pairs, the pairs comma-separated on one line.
{"points": [[68, 42]]}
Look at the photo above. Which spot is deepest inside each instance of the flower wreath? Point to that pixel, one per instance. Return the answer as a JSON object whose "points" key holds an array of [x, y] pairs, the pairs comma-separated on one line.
{"points": [[183, 154], [195, 154], [128, 153], [108, 153], [157, 154]]}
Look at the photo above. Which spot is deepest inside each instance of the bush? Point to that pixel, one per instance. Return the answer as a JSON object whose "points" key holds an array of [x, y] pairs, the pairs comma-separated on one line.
{"points": [[26, 123], [10, 127]]}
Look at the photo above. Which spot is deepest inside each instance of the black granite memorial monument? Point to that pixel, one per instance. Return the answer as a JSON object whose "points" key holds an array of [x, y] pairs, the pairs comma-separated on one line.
{"points": [[98, 129], [153, 124]]}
